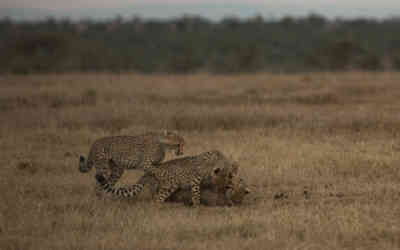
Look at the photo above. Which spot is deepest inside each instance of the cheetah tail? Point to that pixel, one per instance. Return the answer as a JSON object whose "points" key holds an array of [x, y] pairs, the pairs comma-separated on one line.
{"points": [[84, 167]]}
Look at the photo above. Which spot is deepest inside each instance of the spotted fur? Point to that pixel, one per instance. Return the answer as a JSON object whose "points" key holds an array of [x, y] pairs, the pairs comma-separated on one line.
{"points": [[211, 197], [130, 152], [209, 168]]}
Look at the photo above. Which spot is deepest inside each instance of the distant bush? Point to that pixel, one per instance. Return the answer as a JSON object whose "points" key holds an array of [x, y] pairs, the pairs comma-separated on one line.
{"points": [[371, 62], [240, 59], [186, 60], [395, 60], [192, 44], [35, 51], [336, 55]]}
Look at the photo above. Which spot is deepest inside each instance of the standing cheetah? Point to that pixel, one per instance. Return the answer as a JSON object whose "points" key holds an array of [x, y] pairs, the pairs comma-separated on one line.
{"points": [[131, 152], [183, 173]]}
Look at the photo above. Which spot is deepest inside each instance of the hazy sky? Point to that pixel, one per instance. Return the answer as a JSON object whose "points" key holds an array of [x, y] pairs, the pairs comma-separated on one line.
{"points": [[161, 8], [61, 4]]}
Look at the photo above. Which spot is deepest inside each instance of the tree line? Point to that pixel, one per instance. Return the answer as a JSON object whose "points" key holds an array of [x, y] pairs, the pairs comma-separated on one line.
{"points": [[193, 44]]}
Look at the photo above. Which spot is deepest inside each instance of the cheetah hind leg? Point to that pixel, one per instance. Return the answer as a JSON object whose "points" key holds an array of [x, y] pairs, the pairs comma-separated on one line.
{"points": [[164, 193], [104, 176], [196, 192], [116, 172]]}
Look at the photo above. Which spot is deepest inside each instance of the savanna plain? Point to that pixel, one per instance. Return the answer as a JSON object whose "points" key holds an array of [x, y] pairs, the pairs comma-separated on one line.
{"points": [[320, 151]]}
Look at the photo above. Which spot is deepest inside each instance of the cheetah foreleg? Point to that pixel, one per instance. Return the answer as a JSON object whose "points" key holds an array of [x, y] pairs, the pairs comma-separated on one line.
{"points": [[196, 192], [164, 193]]}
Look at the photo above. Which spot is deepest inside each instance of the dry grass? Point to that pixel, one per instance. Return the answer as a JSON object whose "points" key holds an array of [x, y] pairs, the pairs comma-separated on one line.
{"points": [[320, 150]]}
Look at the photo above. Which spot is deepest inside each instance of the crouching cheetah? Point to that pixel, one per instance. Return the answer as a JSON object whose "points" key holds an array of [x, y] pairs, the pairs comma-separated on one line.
{"points": [[210, 167], [130, 152], [210, 197]]}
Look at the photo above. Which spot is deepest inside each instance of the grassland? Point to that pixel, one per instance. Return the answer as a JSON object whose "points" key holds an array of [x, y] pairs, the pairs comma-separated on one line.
{"points": [[321, 152]]}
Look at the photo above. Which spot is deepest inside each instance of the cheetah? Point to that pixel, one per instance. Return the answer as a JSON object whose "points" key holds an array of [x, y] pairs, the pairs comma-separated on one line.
{"points": [[211, 167], [238, 191], [131, 152], [209, 195]]}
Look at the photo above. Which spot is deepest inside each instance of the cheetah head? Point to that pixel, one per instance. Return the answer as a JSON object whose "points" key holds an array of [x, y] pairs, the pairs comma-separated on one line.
{"points": [[172, 138], [223, 175], [237, 192], [229, 184]]}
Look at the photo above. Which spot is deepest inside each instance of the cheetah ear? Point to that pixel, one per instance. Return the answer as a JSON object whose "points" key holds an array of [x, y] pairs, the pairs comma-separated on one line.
{"points": [[235, 167], [217, 170], [112, 164]]}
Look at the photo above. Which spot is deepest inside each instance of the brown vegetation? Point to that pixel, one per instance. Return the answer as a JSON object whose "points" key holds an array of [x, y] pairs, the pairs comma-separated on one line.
{"points": [[321, 152]]}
